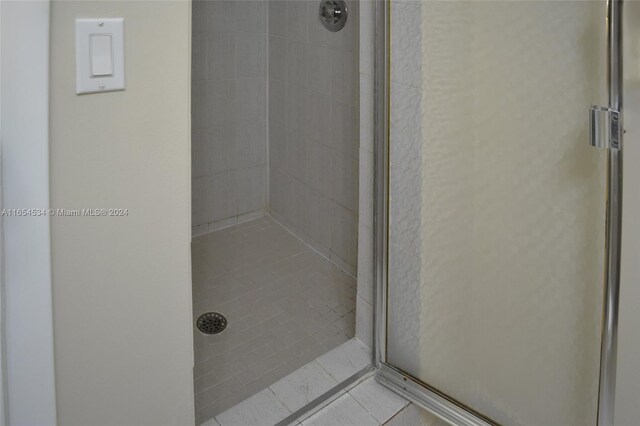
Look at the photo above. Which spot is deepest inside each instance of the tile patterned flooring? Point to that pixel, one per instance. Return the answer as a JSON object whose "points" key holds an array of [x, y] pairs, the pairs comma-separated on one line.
{"points": [[273, 404], [286, 305], [367, 404]]}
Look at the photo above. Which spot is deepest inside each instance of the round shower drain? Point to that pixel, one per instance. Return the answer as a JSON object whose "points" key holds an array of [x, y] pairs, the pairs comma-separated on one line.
{"points": [[211, 323]]}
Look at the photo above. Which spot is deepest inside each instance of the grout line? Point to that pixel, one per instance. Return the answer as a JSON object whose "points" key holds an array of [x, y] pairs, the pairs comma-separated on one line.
{"points": [[278, 399], [247, 217], [363, 407], [301, 239]]}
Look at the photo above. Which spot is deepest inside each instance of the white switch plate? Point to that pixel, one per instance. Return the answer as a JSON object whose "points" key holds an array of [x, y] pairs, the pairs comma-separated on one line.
{"points": [[109, 66]]}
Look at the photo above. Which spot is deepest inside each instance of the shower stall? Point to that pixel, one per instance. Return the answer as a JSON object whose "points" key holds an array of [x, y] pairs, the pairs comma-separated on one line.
{"points": [[417, 180], [275, 173]]}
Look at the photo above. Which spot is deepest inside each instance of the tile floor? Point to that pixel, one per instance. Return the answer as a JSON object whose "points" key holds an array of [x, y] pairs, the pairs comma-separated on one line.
{"points": [[413, 415], [285, 305], [274, 404], [370, 403], [367, 404]]}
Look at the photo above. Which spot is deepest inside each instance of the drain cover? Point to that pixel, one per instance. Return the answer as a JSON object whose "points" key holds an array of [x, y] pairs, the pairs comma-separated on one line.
{"points": [[211, 323]]}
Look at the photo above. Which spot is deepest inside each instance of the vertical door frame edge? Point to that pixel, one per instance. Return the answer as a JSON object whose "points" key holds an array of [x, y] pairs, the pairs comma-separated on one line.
{"points": [[28, 370], [380, 177], [609, 339]]}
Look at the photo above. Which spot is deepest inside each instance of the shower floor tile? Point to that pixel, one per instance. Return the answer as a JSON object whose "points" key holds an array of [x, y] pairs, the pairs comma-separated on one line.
{"points": [[285, 305]]}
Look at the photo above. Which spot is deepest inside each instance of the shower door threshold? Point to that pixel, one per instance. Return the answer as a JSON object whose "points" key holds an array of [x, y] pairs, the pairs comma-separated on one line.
{"points": [[428, 398]]}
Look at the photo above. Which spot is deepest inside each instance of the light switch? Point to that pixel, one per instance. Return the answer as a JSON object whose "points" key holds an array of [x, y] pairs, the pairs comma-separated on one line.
{"points": [[99, 55]]}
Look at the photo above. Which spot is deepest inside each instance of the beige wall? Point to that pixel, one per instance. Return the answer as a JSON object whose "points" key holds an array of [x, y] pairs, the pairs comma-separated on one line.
{"points": [[121, 286]]}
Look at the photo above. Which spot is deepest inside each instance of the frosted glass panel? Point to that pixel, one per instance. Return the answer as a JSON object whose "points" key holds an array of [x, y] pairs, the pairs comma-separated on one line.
{"points": [[496, 238]]}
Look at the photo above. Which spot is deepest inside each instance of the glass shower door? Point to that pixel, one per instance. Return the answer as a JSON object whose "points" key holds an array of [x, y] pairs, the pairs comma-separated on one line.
{"points": [[496, 205]]}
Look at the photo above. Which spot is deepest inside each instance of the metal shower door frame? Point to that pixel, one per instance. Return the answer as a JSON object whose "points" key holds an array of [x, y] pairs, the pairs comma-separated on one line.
{"points": [[408, 386]]}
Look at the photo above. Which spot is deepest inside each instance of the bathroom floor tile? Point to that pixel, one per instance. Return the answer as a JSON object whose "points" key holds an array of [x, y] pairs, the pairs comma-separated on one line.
{"points": [[343, 411], [345, 360], [379, 401], [303, 386], [261, 409]]}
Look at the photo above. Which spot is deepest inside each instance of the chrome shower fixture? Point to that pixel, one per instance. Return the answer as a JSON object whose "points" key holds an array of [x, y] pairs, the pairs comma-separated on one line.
{"points": [[333, 14]]}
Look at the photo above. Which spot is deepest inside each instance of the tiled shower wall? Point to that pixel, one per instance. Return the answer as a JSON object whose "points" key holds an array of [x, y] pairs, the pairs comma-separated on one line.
{"points": [[229, 118], [364, 299], [313, 127], [309, 155]]}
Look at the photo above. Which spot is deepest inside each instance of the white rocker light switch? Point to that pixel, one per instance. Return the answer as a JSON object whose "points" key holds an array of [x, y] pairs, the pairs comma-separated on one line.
{"points": [[99, 55]]}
